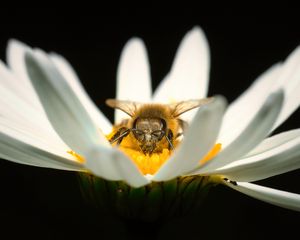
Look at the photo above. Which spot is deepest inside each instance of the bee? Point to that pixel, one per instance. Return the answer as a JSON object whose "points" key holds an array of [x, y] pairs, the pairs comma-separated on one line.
{"points": [[152, 126]]}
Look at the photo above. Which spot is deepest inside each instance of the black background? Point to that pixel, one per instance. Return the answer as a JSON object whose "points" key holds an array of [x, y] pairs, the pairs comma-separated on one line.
{"points": [[47, 204]]}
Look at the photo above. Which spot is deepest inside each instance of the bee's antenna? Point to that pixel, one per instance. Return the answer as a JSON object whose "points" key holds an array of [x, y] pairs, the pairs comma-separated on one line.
{"points": [[170, 143]]}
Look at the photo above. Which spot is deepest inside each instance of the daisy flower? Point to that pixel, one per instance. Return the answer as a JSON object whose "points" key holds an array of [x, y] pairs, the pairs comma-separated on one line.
{"points": [[48, 120]]}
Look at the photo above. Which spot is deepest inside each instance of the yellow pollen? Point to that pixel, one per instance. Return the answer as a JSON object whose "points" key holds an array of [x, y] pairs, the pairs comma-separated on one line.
{"points": [[147, 164], [78, 157]]}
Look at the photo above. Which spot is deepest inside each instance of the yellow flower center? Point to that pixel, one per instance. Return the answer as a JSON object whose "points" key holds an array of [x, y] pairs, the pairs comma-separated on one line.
{"points": [[149, 164]]}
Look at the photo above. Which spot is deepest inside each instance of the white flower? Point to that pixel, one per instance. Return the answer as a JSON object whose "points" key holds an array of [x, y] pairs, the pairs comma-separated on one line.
{"points": [[45, 113]]}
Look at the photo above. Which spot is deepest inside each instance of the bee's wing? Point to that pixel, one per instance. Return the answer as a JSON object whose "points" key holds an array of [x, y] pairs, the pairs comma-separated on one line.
{"points": [[128, 107], [184, 106]]}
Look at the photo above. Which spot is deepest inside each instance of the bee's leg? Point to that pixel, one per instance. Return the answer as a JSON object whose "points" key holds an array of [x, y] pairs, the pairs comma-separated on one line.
{"points": [[169, 138], [119, 135]]}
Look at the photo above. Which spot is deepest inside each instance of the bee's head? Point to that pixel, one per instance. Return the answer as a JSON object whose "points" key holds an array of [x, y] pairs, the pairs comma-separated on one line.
{"points": [[149, 129]]}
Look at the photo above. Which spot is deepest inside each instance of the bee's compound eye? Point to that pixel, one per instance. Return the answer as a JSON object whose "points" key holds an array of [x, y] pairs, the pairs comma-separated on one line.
{"points": [[139, 134], [158, 134]]}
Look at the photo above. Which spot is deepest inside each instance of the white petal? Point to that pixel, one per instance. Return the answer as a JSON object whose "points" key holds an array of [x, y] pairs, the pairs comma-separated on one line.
{"points": [[243, 109], [279, 198], [199, 139], [69, 74], [255, 132], [15, 53], [29, 135], [133, 76], [274, 141], [19, 104], [286, 77], [23, 122], [21, 87], [24, 153], [19, 115], [10, 82], [280, 159], [188, 78], [63, 108], [289, 80], [111, 164]]}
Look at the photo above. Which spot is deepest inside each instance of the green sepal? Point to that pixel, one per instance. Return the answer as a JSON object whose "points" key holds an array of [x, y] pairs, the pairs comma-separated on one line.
{"points": [[156, 201]]}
